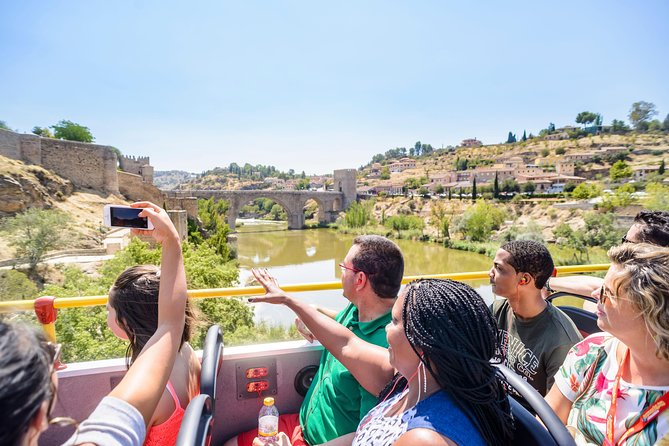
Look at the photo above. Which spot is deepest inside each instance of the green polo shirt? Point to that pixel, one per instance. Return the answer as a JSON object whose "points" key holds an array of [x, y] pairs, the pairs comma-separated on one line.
{"points": [[335, 402]]}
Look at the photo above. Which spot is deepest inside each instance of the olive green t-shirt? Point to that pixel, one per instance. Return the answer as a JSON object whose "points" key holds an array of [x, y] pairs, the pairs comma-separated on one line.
{"points": [[534, 348], [335, 402]]}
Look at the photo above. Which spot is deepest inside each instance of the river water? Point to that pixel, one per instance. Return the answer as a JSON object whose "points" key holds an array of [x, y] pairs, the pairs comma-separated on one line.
{"points": [[314, 255]]}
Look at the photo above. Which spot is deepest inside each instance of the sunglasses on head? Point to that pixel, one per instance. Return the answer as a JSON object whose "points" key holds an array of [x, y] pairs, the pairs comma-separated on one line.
{"points": [[624, 239], [54, 351]]}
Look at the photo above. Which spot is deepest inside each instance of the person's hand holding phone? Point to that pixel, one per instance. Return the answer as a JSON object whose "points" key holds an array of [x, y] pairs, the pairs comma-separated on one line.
{"points": [[163, 228]]}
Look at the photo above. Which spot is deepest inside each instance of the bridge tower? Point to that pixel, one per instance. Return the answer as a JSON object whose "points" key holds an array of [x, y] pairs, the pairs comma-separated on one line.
{"points": [[344, 182]]}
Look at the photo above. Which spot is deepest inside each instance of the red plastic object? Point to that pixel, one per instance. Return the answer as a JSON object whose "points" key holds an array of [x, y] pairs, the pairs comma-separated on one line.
{"points": [[44, 309], [257, 386], [256, 372]]}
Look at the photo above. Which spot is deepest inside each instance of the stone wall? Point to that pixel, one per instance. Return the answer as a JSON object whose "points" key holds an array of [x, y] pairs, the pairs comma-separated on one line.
{"points": [[134, 188], [10, 145], [86, 165]]}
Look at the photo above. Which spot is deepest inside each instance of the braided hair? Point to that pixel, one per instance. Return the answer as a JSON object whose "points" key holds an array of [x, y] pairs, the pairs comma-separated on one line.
{"points": [[451, 324]]}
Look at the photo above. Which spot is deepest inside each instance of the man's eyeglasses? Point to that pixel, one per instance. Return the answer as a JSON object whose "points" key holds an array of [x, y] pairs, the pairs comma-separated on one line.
{"points": [[604, 296], [350, 268]]}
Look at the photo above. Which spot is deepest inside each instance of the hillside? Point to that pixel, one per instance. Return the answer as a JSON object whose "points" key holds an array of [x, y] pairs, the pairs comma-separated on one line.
{"points": [[27, 186], [170, 179], [646, 149]]}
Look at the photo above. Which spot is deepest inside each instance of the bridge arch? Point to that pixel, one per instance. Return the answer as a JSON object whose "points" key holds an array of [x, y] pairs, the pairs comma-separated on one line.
{"points": [[329, 203]]}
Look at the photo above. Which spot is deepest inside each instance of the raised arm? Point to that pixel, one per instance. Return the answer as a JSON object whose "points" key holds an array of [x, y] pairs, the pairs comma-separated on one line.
{"points": [[145, 381], [583, 285], [368, 363]]}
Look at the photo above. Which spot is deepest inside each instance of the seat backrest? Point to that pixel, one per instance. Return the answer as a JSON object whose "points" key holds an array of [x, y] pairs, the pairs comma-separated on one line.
{"points": [[528, 431], [527, 426], [212, 358], [585, 321], [197, 423]]}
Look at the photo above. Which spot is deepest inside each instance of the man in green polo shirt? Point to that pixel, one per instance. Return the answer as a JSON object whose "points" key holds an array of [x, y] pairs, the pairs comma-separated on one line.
{"points": [[336, 401]]}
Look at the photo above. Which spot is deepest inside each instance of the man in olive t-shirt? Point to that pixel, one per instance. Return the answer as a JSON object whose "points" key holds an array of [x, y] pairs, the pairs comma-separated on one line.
{"points": [[534, 335]]}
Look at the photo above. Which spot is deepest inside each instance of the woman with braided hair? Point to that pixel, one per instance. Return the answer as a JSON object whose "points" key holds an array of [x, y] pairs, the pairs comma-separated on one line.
{"points": [[441, 338]]}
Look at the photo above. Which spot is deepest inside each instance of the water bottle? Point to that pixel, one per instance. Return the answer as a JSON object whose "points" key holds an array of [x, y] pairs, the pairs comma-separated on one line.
{"points": [[268, 421]]}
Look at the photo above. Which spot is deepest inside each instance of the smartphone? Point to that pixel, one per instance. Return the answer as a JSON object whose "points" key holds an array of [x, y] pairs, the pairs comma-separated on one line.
{"points": [[119, 216]]}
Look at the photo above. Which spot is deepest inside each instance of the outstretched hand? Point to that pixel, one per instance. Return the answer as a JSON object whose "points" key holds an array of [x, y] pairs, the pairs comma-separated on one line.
{"points": [[163, 228], [273, 293], [304, 331]]}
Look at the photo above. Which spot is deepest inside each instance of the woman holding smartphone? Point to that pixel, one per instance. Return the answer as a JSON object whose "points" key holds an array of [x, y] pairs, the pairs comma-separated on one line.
{"points": [[28, 384]]}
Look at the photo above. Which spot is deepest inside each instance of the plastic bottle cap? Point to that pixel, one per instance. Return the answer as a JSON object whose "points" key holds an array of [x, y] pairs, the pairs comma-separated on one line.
{"points": [[269, 401]]}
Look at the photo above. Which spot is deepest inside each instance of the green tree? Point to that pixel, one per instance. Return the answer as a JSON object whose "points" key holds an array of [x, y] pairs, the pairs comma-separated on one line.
{"points": [[35, 232], [529, 188], [586, 118], [524, 138], [385, 173], [623, 196], [640, 113], [358, 214], [585, 191], [545, 152], [42, 131], [665, 123], [511, 138], [655, 125], [474, 189], [438, 218], [620, 170], [404, 222], [658, 197], [14, 285], [4, 126], [479, 220], [618, 126], [661, 169], [72, 131], [439, 189], [560, 151]]}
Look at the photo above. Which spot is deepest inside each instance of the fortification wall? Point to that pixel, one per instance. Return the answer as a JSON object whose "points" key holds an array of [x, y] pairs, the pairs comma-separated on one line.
{"points": [[133, 164], [134, 188], [86, 165], [10, 145]]}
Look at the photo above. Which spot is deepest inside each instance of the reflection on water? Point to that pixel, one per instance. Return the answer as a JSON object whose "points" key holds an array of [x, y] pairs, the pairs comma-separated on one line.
{"points": [[313, 256]]}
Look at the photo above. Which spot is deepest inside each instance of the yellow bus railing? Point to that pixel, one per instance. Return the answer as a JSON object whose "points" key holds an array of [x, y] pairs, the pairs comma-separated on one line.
{"points": [[89, 301]]}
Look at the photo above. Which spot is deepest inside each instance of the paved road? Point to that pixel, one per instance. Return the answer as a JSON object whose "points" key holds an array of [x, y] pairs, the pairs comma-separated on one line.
{"points": [[80, 260]]}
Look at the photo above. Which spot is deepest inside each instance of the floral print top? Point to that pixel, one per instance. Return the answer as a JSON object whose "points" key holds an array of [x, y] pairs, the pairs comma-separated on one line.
{"points": [[596, 356]]}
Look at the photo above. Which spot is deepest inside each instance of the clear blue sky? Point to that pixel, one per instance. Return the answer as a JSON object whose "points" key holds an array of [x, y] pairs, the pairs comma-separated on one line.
{"points": [[315, 85]]}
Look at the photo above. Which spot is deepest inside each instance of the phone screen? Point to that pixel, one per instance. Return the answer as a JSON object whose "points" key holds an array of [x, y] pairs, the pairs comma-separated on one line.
{"points": [[127, 218]]}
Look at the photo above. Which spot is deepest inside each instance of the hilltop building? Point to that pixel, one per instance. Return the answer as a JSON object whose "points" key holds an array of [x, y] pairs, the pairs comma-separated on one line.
{"points": [[471, 142]]}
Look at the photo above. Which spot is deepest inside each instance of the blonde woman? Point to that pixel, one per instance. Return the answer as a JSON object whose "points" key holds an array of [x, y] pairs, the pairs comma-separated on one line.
{"points": [[613, 387]]}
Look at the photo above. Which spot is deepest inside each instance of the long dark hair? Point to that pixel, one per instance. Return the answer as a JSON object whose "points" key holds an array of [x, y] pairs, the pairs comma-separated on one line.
{"points": [[134, 297], [25, 382], [451, 324]]}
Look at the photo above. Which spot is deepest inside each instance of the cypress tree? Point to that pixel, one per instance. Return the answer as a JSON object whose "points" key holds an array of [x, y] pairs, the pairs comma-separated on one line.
{"points": [[661, 171], [524, 136], [474, 189]]}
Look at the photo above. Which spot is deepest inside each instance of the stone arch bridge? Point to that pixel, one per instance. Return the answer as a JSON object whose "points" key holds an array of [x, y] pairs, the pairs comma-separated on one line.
{"points": [[329, 203]]}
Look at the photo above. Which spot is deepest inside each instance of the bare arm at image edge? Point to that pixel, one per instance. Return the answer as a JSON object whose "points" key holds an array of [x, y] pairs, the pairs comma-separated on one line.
{"points": [[583, 285]]}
